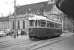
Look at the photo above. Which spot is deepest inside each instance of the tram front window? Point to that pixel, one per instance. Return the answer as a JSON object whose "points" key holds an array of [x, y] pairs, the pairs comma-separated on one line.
{"points": [[31, 22]]}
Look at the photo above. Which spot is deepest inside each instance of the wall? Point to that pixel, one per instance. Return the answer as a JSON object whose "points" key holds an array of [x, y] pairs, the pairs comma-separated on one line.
{"points": [[68, 24]]}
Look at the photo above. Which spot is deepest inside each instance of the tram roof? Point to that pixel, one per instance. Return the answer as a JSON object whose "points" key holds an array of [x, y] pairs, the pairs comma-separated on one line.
{"points": [[43, 18], [55, 21], [38, 18]]}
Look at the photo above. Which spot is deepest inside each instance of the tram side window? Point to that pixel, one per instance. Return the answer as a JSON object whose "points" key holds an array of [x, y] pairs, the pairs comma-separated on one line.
{"points": [[48, 24], [58, 25], [51, 24], [43, 23], [39, 23], [36, 23], [31, 22]]}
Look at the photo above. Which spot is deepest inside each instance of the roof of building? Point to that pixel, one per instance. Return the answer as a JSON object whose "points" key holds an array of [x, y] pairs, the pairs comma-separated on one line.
{"points": [[33, 7], [4, 19]]}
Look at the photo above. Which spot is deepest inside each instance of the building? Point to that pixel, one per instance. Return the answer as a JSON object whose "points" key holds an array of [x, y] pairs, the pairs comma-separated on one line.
{"points": [[25, 11], [19, 21], [4, 23], [68, 21], [42, 8]]}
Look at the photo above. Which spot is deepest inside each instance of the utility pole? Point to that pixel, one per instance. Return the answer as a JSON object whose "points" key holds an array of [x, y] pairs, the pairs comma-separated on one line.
{"points": [[15, 31]]}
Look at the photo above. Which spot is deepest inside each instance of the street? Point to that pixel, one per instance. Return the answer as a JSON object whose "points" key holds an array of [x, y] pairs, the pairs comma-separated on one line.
{"points": [[22, 44], [21, 20], [67, 44]]}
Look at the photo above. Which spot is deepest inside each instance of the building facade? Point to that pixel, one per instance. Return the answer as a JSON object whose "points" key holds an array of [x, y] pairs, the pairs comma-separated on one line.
{"points": [[68, 24], [4, 23], [20, 20], [42, 8]]}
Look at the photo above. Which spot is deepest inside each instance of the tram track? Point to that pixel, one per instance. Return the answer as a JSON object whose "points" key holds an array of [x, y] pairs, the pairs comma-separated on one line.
{"points": [[45, 43]]}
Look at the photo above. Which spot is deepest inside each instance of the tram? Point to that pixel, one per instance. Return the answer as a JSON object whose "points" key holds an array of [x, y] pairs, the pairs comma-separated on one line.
{"points": [[42, 27]]}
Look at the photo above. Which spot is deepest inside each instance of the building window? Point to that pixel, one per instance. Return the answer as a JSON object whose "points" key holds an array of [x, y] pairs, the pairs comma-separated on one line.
{"points": [[23, 24], [18, 24], [13, 25]]}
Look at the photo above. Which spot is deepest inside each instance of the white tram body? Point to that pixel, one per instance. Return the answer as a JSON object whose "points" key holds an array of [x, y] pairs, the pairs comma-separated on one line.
{"points": [[42, 27]]}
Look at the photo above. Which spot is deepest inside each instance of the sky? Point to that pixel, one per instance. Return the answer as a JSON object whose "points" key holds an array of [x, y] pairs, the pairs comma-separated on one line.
{"points": [[7, 6]]}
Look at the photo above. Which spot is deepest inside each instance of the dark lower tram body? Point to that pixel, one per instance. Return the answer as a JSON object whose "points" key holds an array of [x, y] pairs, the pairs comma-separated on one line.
{"points": [[44, 32]]}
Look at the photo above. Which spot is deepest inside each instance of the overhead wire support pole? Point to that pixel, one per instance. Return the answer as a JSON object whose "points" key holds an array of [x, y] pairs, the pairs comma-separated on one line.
{"points": [[15, 33]]}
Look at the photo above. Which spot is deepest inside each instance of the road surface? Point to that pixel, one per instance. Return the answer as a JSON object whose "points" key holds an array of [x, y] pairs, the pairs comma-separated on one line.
{"points": [[64, 42]]}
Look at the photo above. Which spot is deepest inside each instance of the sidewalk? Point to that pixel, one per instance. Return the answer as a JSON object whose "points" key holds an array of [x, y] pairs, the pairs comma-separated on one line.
{"points": [[67, 44], [25, 37], [8, 38], [67, 34]]}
